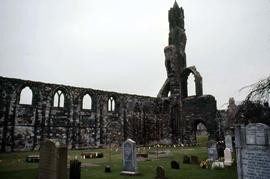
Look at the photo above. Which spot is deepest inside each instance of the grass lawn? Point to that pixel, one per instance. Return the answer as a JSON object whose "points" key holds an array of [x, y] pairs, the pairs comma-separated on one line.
{"points": [[13, 166]]}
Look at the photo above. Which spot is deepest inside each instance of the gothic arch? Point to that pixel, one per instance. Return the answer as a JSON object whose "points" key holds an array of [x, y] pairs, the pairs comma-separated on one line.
{"points": [[36, 94], [92, 98], [198, 81], [66, 93]]}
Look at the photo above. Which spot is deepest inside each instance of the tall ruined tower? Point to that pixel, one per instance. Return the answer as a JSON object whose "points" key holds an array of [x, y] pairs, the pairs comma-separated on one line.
{"points": [[175, 62], [184, 111]]}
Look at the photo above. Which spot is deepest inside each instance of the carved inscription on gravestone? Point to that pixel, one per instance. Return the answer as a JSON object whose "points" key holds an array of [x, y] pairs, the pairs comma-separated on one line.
{"points": [[256, 164], [253, 151]]}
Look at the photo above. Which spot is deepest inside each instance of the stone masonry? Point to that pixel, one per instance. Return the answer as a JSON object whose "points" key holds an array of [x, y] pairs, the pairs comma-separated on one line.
{"points": [[113, 117]]}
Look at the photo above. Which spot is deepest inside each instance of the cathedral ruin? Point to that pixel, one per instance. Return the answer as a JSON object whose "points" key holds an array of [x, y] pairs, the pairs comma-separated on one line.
{"points": [[57, 111]]}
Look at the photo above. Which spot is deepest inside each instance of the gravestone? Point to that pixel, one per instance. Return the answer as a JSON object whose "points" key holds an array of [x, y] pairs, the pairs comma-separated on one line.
{"points": [[53, 160], [186, 159], [227, 157], [160, 173], [75, 169], [252, 143], [212, 151], [108, 169], [228, 142], [129, 158], [194, 159], [175, 165]]}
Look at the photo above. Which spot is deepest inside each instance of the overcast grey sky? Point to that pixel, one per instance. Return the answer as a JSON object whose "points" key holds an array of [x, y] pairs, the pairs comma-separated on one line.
{"points": [[118, 45]]}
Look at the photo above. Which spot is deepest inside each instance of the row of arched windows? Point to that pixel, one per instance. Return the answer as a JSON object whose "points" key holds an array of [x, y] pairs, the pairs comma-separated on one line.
{"points": [[26, 97]]}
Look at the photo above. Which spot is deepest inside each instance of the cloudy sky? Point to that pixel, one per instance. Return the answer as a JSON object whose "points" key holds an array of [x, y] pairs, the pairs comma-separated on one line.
{"points": [[117, 45]]}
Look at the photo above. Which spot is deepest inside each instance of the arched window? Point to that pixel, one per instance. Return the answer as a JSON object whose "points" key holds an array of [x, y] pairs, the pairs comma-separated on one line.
{"points": [[111, 104], [191, 85], [87, 102], [59, 99], [26, 96]]}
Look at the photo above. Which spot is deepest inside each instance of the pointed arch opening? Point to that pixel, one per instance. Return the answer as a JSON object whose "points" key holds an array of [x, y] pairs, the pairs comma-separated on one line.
{"points": [[111, 104], [26, 96], [59, 99], [87, 102]]}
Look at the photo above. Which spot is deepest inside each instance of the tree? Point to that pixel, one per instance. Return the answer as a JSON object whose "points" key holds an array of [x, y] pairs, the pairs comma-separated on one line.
{"points": [[259, 91], [255, 108]]}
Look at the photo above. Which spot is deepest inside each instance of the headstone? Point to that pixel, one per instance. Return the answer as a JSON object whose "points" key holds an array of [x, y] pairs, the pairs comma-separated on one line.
{"points": [[253, 151], [175, 165], [228, 142], [186, 159], [108, 169], [53, 160], [227, 157], [160, 173], [129, 158], [194, 159], [75, 169], [212, 151]]}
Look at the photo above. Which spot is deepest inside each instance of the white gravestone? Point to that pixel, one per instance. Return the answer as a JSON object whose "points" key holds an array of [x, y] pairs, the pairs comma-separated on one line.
{"points": [[227, 157], [253, 151], [228, 142], [129, 158]]}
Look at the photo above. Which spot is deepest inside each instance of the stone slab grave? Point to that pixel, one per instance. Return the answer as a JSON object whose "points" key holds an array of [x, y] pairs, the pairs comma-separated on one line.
{"points": [[129, 158], [32, 159], [227, 157], [252, 144], [53, 160], [212, 151], [228, 142]]}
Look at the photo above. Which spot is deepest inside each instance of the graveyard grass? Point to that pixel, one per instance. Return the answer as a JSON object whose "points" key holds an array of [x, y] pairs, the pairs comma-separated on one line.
{"points": [[13, 165]]}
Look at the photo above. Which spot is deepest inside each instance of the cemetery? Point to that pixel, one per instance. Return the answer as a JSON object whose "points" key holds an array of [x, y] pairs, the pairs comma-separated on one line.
{"points": [[173, 135]]}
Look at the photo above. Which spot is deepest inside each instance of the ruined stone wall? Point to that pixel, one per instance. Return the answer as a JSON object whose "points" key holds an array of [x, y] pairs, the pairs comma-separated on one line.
{"points": [[22, 126], [197, 110]]}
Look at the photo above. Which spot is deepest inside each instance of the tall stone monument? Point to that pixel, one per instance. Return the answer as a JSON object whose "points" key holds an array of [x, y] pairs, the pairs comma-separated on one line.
{"points": [[53, 160], [252, 143], [129, 158]]}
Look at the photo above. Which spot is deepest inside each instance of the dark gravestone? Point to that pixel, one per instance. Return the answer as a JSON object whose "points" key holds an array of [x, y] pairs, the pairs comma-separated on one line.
{"points": [[220, 148], [252, 143], [175, 165], [194, 159], [108, 169], [160, 173], [75, 169], [186, 159]]}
